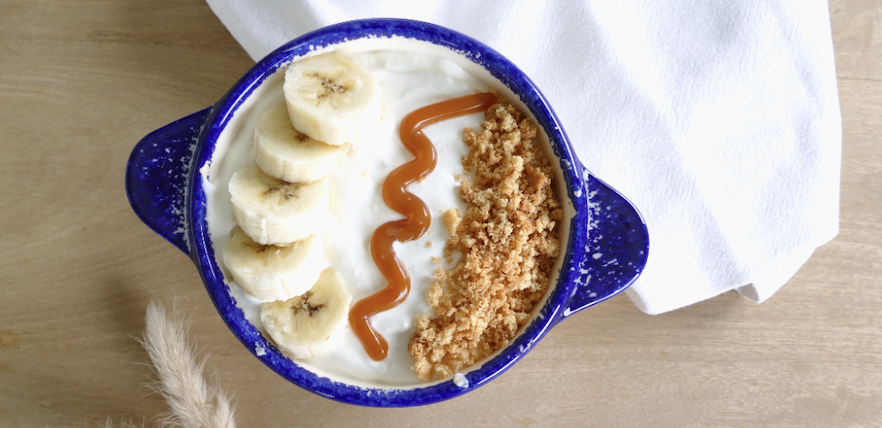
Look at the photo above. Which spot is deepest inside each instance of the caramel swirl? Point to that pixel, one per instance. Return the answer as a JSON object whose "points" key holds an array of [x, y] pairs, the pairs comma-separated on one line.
{"points": [[416, 213]]}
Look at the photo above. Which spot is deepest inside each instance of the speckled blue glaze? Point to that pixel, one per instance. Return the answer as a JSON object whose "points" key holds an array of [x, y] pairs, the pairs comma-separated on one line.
{"points": [[165, 190]]}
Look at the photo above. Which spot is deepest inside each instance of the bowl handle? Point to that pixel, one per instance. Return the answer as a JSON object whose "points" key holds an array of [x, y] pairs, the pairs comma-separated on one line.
{"points": [[157, 173], [616, 247]]}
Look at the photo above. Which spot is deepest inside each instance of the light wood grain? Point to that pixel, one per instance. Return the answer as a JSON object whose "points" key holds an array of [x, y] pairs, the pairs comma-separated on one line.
{"points": [[82, 81]]}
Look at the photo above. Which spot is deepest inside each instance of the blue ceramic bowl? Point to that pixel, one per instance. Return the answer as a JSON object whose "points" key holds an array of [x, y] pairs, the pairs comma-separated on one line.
{"points": [[606, 241]]}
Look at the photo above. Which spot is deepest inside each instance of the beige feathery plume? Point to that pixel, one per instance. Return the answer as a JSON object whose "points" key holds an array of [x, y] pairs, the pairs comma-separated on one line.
{"points": [[192, 402]]}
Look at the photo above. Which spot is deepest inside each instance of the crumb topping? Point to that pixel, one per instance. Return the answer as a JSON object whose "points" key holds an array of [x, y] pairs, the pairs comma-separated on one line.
{"points": [[451, 219], [508, 241]]}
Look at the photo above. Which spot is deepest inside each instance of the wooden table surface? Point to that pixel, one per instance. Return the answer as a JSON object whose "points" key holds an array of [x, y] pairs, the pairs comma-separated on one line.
{"points": [[82, 81]]}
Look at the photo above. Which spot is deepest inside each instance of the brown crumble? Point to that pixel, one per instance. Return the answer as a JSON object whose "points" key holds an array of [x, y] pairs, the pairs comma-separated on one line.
{"points": [[451, 219], [509, 245], [436, 259], [428, 244]]}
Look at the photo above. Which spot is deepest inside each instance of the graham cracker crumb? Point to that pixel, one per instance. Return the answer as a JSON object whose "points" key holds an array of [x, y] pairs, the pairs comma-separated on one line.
{"points": [[451, 219], [508, 241]]}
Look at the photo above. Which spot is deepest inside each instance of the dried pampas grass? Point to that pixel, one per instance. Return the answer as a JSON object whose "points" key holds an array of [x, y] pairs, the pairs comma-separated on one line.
{"points": [[192, 403]]}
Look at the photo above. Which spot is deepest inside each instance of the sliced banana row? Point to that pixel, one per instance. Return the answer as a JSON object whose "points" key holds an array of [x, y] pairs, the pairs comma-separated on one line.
{"points": [[282, 202]]}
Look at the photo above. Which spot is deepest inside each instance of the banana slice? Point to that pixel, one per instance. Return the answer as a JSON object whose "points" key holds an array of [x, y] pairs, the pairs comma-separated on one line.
{"points": [[275, 212], [269, 272], [289, 155], [331, 98], [310, 325]]}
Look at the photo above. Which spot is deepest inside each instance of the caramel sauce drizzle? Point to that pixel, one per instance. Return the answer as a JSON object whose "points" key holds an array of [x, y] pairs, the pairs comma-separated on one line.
{"points": [[416, 213]]}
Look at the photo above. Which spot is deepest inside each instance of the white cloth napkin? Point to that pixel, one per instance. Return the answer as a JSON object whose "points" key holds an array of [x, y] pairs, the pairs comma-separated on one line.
{"points": [[719, 120]]}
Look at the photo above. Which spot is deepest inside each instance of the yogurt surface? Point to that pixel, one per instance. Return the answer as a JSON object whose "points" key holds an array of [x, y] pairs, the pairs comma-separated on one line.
{"points": [[408, 80]]}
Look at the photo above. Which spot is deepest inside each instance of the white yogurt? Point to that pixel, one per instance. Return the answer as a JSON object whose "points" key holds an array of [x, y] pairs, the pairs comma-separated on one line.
{"points": [[407, 81]]}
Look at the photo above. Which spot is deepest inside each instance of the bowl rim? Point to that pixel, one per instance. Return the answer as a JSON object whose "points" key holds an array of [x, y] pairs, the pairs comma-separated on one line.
{"points": [[510, 76]]}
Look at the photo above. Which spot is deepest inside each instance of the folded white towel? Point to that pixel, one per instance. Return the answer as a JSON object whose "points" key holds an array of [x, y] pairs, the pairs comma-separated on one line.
{"points": [[719, 120]]}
